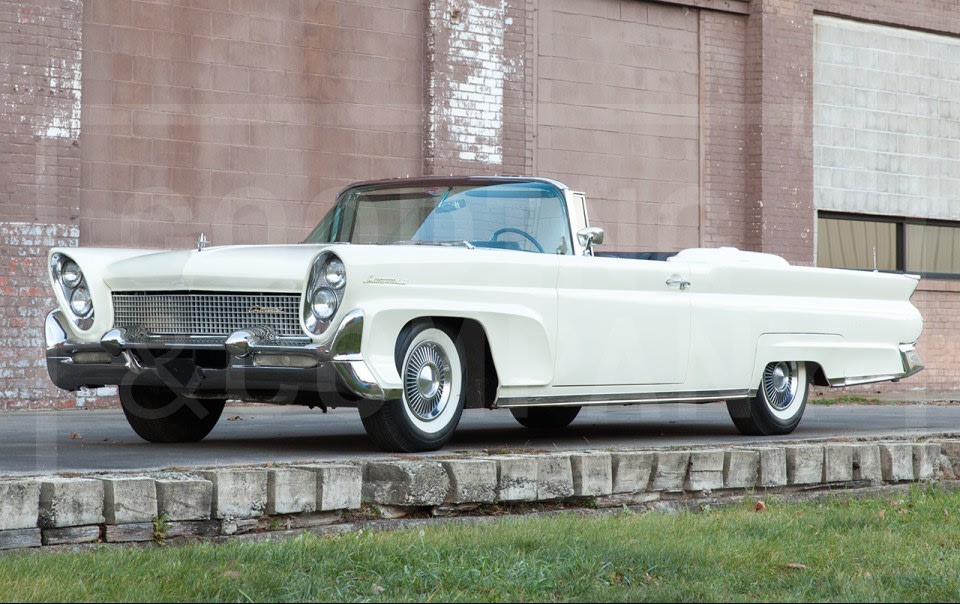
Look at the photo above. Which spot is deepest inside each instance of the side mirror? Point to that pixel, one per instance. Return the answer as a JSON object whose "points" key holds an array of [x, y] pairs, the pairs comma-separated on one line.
{"points": [[588, 238]]}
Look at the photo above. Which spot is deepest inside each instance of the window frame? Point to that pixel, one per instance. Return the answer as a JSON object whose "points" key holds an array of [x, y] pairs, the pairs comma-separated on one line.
{"points": [[900, 238]]}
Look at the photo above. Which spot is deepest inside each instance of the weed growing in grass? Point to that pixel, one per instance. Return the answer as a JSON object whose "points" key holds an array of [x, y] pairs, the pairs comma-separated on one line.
{"points": [[161, 525]]}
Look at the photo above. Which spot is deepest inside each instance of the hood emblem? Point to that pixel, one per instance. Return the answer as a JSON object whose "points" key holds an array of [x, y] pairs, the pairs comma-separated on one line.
{"points": [[202, 242]]}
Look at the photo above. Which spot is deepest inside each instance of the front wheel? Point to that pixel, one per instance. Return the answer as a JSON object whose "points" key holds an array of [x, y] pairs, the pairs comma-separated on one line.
{"points": [[431, 364], [779, 403], [160, 415]]}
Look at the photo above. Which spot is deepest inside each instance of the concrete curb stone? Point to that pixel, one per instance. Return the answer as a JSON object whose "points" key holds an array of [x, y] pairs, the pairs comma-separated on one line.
{"points": [[238, 493], [129, 500], [184, 500], [632, 471], [291, 491], [471, 480], [405, 483], [66, 502], [592, 474], [19, 504], [741, 468]]}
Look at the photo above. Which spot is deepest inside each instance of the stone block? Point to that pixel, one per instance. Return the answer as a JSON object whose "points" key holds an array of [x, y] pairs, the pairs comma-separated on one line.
{"points": [[291, 491], [19, 504], [190, 499], [773, 467], [472, 480], [804, 464], [68, 502], [592, 474], [554, 477], [705, 471], [339, 486], [926, 461], [837, 463], [412, 483], [516, 478], [238, 493], [670, 470], [896, 461], [951, 448], [741, 469], [129, 500], [866, 463], [632, 471]]}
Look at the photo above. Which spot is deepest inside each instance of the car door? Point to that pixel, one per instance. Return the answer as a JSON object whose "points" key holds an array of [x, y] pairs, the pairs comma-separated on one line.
{"points": [[622, 322]]}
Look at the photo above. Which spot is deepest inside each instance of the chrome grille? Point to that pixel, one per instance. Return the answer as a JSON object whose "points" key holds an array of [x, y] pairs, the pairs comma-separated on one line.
{"points": [[207, 314]]}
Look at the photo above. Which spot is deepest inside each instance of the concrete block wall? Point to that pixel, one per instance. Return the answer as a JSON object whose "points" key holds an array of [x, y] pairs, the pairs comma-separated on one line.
{"points": [[228, 501]]}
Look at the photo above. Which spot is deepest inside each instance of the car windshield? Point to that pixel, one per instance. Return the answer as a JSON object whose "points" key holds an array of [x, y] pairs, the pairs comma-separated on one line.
{"points": [[526, 216]]}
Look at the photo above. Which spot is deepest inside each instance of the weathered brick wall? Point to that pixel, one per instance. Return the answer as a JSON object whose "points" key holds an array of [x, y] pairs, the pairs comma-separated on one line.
{"points": [[779, 73], [725, 217], [477, 88], [40, 48], [242, 119]]}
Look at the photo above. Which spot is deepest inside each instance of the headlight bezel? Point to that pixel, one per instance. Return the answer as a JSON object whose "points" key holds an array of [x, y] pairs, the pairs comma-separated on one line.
{"points": [[69, 287], [317, 323]]}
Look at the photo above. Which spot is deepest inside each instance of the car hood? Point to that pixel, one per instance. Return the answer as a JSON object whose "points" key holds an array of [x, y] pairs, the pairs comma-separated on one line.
{"points": [[252, 268]]}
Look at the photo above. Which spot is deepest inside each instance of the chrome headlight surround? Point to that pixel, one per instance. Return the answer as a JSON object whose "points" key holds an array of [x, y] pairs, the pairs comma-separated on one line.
{"points": [[324, 294], [67, 275]]}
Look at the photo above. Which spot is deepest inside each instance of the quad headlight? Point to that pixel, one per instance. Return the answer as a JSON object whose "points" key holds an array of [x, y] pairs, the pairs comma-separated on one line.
{"points": [[69, 278], [328, 278]]}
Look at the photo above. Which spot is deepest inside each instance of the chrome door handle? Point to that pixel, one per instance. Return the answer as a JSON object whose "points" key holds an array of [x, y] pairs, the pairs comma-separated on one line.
{"points": [[674, 282]]}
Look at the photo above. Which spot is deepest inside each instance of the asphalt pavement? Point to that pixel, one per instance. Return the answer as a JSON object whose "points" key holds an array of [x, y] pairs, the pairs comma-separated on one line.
{"points": [[76, 440]]}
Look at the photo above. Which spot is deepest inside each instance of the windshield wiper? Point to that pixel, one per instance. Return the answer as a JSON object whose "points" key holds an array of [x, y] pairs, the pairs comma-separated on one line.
{"points": [[461, 242]]}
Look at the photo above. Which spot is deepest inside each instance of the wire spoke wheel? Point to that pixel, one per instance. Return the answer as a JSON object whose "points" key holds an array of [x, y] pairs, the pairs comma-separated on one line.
{"points": [[427, 381], [780, 384]]}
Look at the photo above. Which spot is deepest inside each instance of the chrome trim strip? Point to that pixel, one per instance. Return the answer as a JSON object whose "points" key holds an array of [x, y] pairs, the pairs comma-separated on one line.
{"points": [[624, 399]]}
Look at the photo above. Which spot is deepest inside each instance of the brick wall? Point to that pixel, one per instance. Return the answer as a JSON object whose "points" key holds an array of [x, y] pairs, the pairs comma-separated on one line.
{"points": [[618, 116], [241, 119], [40, 49], [477, 88], [725, 219], [779, 73]]}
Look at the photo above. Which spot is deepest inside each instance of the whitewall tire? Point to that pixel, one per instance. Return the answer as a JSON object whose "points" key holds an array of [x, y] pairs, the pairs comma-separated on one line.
{"points": [[779, 403], [433, 372]]}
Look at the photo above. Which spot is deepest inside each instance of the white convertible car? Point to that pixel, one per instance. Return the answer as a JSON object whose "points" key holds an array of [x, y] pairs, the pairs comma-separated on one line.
{"points": [[414, 299]]}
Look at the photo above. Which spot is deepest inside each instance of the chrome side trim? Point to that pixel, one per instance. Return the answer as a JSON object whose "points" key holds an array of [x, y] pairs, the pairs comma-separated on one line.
{"points": [[704, 396]]}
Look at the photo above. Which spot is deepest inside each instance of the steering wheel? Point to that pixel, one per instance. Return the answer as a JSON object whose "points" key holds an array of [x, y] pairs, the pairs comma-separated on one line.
{"points": [[520, 232]]}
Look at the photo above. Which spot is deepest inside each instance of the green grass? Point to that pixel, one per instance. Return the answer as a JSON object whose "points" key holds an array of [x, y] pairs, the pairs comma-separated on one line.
{"points": [[903, 549], [846, 399]]}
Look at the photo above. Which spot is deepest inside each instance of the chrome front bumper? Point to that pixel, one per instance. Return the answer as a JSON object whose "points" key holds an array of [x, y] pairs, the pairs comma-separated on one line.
{"points": [[251, 364]]}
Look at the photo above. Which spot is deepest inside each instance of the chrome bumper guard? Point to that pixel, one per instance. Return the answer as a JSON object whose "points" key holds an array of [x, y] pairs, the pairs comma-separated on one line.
{"points": [[256, 359]]}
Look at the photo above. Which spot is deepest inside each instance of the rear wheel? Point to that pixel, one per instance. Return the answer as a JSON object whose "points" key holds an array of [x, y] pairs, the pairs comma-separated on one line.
{"points": [[778, 404], [545, 418], [431, 363], [160, 415]]}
